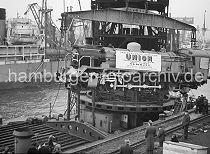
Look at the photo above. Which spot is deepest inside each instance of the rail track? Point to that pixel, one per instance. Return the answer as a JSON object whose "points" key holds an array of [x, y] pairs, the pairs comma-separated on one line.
{"points": [[111, 143], [136, 136], [72, 144], [42, 132], [141, 143]]}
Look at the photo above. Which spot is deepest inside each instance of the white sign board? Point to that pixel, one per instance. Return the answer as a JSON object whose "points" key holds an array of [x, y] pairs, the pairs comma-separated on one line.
{"points": [[204, 63], [138, 61]]}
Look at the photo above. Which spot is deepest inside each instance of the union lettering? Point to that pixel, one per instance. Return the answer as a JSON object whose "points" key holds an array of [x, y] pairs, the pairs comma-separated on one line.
{"points": [[139, 58]]}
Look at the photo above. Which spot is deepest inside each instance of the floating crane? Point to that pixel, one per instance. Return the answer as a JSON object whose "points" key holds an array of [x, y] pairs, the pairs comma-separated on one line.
{"points": [[130, 42]]}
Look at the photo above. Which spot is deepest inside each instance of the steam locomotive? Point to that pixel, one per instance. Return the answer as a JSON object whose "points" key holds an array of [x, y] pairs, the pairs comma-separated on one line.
{"points": [[158, 74]]}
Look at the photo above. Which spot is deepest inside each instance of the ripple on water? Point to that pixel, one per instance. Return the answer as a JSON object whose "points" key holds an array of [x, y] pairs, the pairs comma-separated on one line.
{"points": [[29, 102]]}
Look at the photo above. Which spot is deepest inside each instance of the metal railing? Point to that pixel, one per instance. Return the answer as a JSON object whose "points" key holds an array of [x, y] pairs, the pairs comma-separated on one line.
{"points": [[20, 53]]}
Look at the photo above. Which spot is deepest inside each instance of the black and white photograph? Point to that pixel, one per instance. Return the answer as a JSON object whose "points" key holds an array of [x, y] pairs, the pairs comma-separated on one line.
{"points": [[104, 77]]}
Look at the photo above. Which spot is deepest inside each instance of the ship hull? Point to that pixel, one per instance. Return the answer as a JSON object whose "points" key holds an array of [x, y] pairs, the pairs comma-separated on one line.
{"points": [[21, 74]]}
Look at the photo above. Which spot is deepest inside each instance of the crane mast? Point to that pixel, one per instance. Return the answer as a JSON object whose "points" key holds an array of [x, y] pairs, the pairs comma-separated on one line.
{"points": [[47, 28]]}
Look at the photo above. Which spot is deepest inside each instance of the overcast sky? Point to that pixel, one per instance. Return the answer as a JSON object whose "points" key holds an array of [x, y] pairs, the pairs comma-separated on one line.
{"points": [[178, 8]]}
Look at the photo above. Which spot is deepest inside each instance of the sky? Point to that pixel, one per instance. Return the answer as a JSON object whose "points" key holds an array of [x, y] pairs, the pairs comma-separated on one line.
{"points": [[178, 8]]}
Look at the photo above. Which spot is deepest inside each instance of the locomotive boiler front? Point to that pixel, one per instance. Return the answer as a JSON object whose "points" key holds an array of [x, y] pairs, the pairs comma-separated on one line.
{"points": [[98, 56], [93, 56]]}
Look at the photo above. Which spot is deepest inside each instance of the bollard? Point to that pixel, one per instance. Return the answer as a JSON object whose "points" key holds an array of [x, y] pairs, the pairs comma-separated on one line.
{"points": [[161, 116], [22, 139]]}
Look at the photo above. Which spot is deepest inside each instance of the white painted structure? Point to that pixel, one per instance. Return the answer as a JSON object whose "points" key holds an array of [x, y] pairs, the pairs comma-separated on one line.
{"points": [[183, 148]]}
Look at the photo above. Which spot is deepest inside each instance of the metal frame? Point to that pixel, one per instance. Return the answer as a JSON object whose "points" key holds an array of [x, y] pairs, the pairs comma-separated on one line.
{"points": [[131, 18], [153, 31]]}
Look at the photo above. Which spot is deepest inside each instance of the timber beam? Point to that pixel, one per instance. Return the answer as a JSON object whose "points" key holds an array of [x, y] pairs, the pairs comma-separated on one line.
{"points": [[127, 17]]}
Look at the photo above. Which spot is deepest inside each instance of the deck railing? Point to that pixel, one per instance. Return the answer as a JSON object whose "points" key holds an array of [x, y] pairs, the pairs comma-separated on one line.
{"points": [[21, 53]]}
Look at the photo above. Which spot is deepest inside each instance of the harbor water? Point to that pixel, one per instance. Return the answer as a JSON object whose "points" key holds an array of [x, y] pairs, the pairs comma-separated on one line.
{"points": [[18, 104]]}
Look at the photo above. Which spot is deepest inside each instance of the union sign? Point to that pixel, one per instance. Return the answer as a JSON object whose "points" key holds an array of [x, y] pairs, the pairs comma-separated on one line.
{"points": [[138, 61]]}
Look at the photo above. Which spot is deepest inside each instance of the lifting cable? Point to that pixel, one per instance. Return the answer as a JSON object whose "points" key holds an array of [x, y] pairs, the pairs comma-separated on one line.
{"points": [[55, 97]]}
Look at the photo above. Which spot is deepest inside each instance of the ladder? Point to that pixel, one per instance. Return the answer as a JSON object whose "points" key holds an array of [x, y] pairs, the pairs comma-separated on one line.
{"points": [[180, 106], [177, 107]]}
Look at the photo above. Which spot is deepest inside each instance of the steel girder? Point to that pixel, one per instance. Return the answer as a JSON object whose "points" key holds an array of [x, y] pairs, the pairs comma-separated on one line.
{"points": [[130, 36], [126, 17]]}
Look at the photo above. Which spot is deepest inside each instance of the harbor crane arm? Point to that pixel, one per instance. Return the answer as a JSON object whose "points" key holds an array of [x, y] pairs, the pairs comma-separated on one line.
{"points": [[37, 16], [40, 14]]}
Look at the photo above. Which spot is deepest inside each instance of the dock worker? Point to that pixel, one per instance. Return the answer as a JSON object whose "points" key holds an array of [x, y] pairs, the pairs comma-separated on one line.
{"points": [[174, 138], [205, 105], [126, 148], [185, 124], [57, 149], [44, 150], [51, 146], [197, 103], [161, 136], [6, 150], [33, 149], [149, 136], [201, 104]]}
